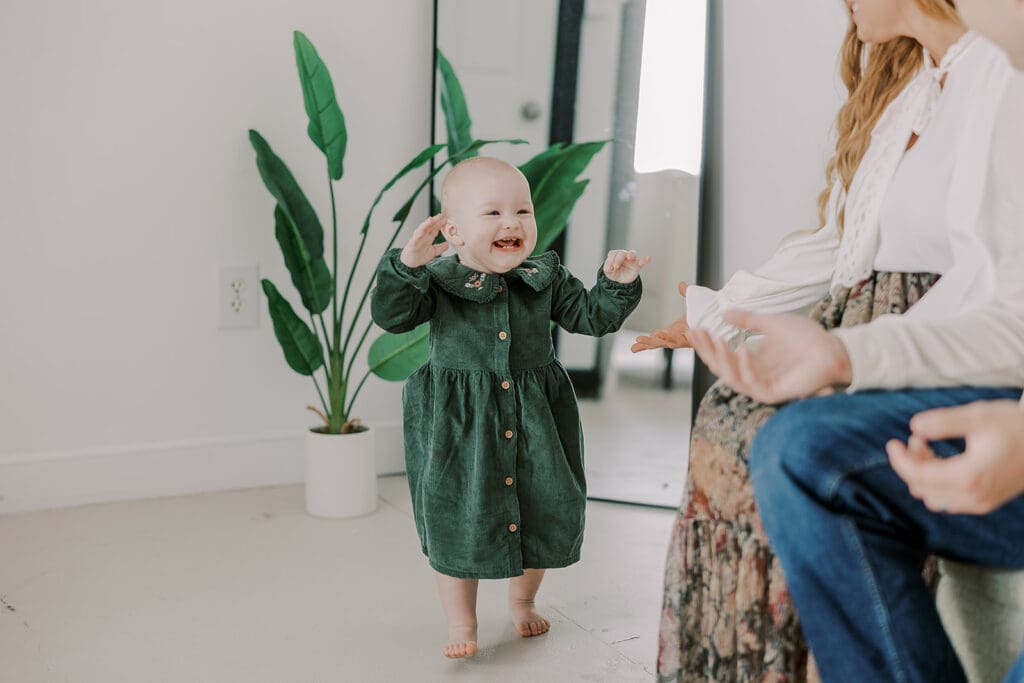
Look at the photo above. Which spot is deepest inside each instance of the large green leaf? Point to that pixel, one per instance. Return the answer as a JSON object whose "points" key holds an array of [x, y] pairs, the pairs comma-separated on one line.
{"points": [[302, 349], [281, 183], [311, 277], [396, 356], [553, 213], [559, 164], [453, 104], [552, 175], [417, 161], [326, 122]]}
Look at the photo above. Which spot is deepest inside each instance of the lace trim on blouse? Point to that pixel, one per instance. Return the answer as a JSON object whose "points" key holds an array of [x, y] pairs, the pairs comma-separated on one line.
{"points": [[909, 113]]}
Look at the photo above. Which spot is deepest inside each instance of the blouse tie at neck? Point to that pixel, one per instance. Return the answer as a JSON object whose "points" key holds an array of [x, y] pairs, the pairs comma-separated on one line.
{"points": [[932, 86]]}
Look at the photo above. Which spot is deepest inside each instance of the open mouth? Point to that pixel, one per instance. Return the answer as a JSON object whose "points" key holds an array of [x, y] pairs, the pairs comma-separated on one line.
{"points": [[510, 244]]}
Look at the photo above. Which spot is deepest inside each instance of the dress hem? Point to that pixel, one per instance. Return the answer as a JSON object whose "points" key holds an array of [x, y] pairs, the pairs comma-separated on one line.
{"points": [[459, 574]]}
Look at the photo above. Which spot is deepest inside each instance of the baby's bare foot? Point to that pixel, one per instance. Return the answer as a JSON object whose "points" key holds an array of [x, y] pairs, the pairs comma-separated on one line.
{"points": [[461, 642], [527, 620]]}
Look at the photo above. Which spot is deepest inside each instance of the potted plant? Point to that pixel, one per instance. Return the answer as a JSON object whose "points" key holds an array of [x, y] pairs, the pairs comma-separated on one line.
{"points": [[339, 453]]}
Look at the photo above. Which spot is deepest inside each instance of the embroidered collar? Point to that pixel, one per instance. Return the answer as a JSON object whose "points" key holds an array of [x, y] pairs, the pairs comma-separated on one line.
{"points": [[537, 272]]}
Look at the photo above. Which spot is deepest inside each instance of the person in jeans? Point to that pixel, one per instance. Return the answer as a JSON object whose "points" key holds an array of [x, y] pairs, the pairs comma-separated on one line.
{"points": [[856, 489], [902, 243]]}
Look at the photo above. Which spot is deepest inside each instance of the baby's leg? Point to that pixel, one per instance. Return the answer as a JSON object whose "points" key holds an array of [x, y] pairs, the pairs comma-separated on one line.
{"points": [[458, 598], [521, 593]]}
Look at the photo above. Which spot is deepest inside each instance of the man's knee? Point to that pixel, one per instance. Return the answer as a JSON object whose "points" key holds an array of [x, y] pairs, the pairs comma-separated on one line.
{"points": [[794, 434], [819, 440]]}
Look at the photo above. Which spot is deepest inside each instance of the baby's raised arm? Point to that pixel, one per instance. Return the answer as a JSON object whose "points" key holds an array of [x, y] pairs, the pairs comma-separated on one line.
{"points": [[402, 298], [420, 249], [624, 266]]}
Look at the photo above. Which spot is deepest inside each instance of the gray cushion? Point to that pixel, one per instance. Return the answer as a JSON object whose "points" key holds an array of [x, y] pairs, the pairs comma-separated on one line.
{"points": [[983, 612]]}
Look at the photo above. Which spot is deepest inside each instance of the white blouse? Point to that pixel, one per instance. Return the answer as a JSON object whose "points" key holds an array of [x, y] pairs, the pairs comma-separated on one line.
{"points": [[972, 330], [910, 231], [931, 209]]}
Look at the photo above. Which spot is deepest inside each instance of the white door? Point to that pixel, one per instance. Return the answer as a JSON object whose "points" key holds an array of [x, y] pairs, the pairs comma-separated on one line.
{"points": [[503, 53]]}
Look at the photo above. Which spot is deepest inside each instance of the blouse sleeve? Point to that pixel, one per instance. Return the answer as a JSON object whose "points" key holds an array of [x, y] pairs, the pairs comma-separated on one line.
{"points": [[402, 298], [797, 275], [596, 312]]}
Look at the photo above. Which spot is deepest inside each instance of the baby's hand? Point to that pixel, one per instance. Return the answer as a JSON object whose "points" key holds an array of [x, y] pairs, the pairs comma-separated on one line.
{"points": [[421, 250], [624, 266]]}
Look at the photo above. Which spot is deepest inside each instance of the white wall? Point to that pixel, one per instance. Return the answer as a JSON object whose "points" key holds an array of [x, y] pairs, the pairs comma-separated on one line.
{"points": [[127, 181], [778, 93]]}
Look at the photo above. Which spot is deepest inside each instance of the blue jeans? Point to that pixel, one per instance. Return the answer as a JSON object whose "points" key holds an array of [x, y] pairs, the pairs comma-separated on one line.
{"points": [[851, 538]]}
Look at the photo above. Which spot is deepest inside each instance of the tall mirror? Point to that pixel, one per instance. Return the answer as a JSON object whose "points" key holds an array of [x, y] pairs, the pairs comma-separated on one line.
{"points": [[630, 72]]}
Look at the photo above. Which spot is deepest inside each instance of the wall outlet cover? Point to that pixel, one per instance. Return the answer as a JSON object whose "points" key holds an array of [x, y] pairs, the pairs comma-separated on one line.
{"points": [[238, 297]]}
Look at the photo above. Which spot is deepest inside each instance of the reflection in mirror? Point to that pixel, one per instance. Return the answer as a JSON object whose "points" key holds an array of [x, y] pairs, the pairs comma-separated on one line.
{"points": [[631, 72]]}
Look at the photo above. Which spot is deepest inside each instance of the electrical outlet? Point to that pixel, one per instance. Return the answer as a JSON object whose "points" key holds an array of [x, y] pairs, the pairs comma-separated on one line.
{"points": [[239, 296]]}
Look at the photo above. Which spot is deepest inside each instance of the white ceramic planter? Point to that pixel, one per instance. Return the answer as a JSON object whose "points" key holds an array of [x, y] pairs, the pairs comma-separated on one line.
{"points": [[341, 474]]}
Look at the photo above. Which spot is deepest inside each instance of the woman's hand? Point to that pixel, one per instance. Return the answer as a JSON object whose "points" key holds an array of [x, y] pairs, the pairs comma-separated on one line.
{"points": [[674, 336], [795, 358], [988, 473], [624, 266], [420, 249]]}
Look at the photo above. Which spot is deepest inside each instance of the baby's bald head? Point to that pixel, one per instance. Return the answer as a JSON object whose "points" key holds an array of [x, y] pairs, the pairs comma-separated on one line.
{"points": [[472, 176]]}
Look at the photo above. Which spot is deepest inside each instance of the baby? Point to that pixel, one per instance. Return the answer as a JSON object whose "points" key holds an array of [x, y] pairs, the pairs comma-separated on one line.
{"points": [[493, 444]]}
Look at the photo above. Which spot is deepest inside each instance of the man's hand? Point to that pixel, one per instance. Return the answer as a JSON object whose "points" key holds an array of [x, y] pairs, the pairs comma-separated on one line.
{"points": [[421, 250], [795, 357], [987, 474]]}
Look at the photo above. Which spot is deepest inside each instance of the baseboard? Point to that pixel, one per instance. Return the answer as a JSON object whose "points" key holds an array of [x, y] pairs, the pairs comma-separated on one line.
{"points": [[131, 472]]}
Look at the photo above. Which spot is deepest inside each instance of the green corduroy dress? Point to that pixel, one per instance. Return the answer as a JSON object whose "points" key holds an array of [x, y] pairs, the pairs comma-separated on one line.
{"points": [[493, 444]]}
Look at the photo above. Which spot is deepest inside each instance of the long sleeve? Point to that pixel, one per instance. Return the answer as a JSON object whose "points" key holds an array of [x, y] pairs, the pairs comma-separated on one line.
{"points": [[797, 275], [982, 341], [402, 298], [597, 312]]}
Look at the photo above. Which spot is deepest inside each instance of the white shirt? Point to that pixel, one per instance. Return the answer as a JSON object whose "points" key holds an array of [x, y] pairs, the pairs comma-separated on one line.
{"points": [[912, 232], [973, 332], [964, 230]]}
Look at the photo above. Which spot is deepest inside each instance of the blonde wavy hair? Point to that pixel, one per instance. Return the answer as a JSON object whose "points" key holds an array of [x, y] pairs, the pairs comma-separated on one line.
{"points": [[874, 75]]}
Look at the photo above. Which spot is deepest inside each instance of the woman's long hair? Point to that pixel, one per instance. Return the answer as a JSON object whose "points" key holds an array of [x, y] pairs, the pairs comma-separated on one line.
{"points": [[874, 75]]}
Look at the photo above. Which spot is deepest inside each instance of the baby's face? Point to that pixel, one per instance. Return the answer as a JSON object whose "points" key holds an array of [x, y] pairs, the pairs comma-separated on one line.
{"points": [[490, 219]]}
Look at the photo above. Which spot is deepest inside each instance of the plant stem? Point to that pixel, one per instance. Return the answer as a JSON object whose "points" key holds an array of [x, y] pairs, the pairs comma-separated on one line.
{"points": [[319, 393], [323, 326], [351, 273], [355, 351], [336, 380], [312, 324], [336, 392], [358, 388], [334, 272]]}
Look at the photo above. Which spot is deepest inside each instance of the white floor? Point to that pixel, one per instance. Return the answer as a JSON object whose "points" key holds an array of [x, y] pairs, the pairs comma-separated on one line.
{"points": [[244, 586], [637, 436]]}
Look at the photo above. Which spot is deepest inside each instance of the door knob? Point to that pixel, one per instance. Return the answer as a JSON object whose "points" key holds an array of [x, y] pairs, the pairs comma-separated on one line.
{"points": [[530, 110]]}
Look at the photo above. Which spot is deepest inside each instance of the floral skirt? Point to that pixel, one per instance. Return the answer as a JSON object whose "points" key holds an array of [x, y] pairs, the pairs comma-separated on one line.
{"points": [[727, 616]]}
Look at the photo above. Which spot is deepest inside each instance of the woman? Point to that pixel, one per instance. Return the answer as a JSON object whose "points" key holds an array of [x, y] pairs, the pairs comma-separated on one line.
{"points": [[922, 99], [848, 522]]}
